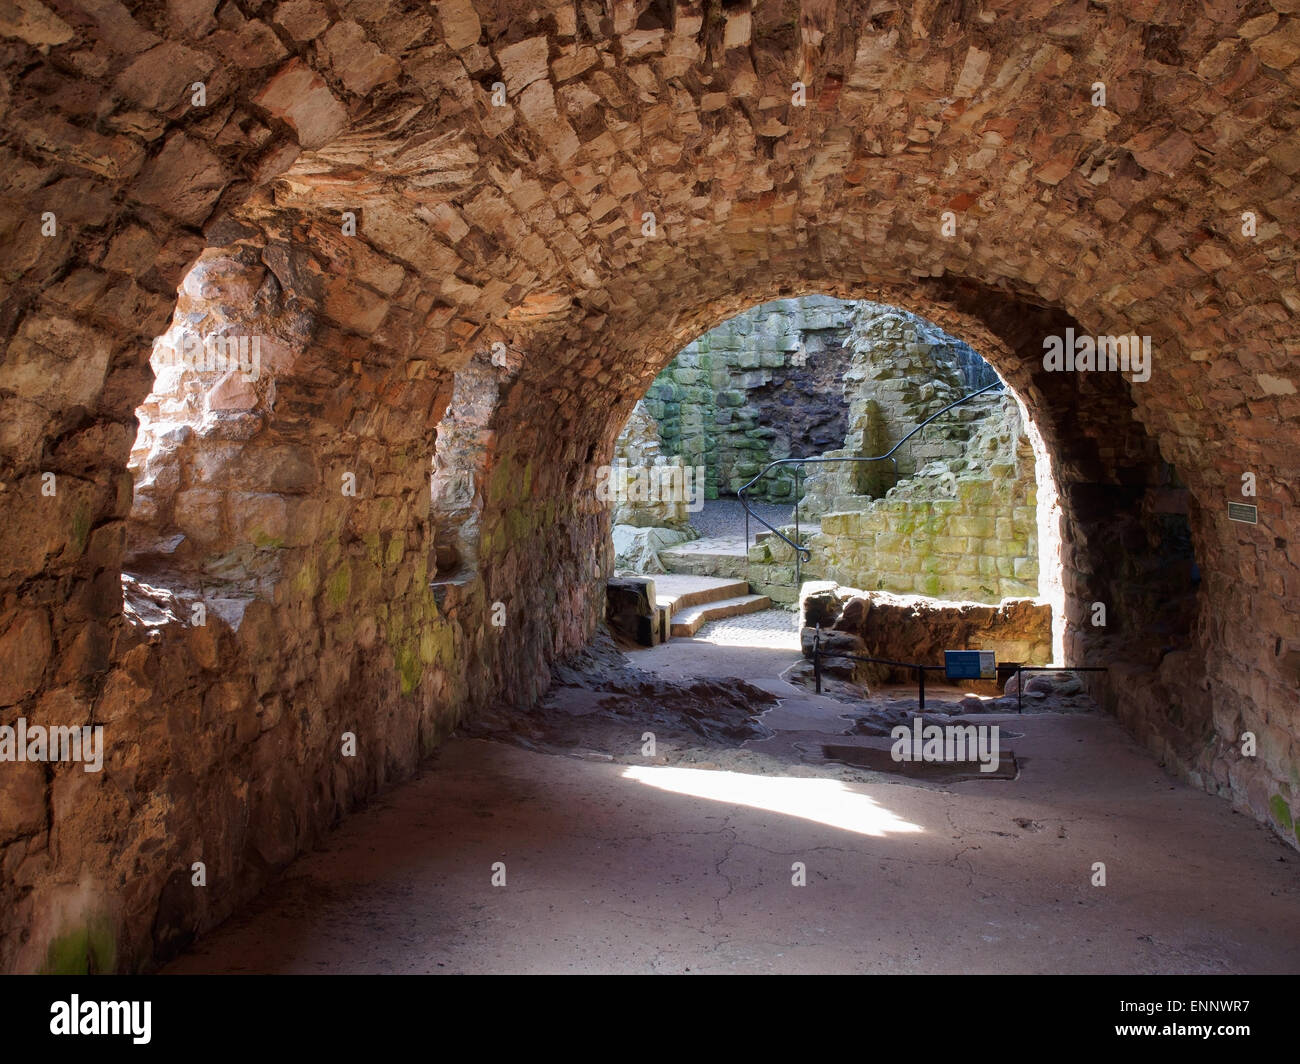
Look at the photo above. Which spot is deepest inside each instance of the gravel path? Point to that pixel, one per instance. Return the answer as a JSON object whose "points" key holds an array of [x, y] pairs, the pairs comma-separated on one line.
{"points": [[726, 517], [767, 628]]}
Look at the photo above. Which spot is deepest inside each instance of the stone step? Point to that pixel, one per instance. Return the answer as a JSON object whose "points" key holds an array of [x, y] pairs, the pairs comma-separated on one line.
{"points": [[690, 620], [733, 565], [805, 532], [676, 591]]}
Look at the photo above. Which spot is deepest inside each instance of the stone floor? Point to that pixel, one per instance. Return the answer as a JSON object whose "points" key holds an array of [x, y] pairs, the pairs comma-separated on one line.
{"points": [[774, 628], [730, 544], [683, 861]]}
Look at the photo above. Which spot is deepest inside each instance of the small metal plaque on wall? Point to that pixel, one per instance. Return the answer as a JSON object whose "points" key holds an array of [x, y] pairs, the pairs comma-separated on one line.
{"points": [[1242, 511]]}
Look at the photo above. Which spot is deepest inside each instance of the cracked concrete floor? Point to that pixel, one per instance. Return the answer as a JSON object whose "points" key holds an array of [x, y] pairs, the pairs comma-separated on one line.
{"points": [[623, 867]]}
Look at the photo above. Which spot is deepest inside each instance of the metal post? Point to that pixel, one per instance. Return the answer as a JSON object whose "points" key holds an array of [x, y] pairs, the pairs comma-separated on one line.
{"points": [[798, 554], [920, 684], [797, 538], [817, 659]]}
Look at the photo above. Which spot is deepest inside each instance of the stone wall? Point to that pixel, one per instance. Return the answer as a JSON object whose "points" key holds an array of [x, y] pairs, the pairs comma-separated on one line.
{"points": [[959, 521], [901, 369], [653, 496], [879, 624], [762, 386], [813, 376], [462, 452], [276, 600], [965, 528], [649, 488]]}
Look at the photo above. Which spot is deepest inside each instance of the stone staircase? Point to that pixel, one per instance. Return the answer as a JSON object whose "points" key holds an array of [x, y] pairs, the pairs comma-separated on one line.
{"points": [[692, 601]]}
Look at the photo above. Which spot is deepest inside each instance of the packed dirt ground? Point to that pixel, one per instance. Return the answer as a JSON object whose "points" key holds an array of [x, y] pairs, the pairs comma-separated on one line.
{"points": [[548, 841]]}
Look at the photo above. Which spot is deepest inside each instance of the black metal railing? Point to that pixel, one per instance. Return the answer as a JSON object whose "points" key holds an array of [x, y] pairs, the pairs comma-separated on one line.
{"points": [[818, 654], [920, 669], [802, 553]]}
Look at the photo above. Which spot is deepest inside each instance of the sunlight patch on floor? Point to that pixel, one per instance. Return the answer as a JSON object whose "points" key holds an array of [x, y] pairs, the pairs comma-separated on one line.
{"points": [[769, 629], [823, 801]]}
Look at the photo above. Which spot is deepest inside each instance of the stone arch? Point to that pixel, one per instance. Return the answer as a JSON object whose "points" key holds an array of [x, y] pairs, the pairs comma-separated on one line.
{"points": [[747, 348], [1112, 480], [210, 712]]}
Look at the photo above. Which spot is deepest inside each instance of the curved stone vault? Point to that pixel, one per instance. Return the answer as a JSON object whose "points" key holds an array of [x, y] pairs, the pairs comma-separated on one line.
{"points": [[556, 197]]}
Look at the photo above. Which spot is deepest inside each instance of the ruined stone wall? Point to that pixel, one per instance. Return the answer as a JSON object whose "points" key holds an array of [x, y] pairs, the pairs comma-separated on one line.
{"points": [[762, 386], [273, 653], [814, 376], [907, 628], [962, 529], [462, 452], [650, 489], [901, 370]]}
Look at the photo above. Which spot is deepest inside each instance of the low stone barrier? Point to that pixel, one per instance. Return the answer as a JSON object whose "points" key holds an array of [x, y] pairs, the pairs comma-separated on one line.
{"points": [[879, 624]]}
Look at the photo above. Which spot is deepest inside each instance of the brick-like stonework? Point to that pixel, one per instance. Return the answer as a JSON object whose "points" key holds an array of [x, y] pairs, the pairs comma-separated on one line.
{"points": [[901, 370], [965, 528], [650, 489], [762, 386]]}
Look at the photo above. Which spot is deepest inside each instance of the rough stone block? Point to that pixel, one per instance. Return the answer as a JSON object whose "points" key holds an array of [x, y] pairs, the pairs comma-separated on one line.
{"points": [[25, 647], [300, 97]]}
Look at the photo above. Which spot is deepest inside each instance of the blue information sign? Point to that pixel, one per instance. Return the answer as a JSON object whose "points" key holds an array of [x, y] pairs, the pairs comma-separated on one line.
{"points": [[970, 665]]}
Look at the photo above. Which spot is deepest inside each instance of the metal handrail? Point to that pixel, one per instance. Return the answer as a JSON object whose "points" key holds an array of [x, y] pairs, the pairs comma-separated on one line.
{"points": [[921, 670], [802, 553]]}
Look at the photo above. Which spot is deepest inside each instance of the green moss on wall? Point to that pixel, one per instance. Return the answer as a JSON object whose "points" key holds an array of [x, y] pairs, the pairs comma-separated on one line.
{"points": [[519, 525], [510, 482], [409, 668], [1281, 812], [80, 527], [438, 645], [307, 579], [340, 585], [328, 553], [88, 950]]}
